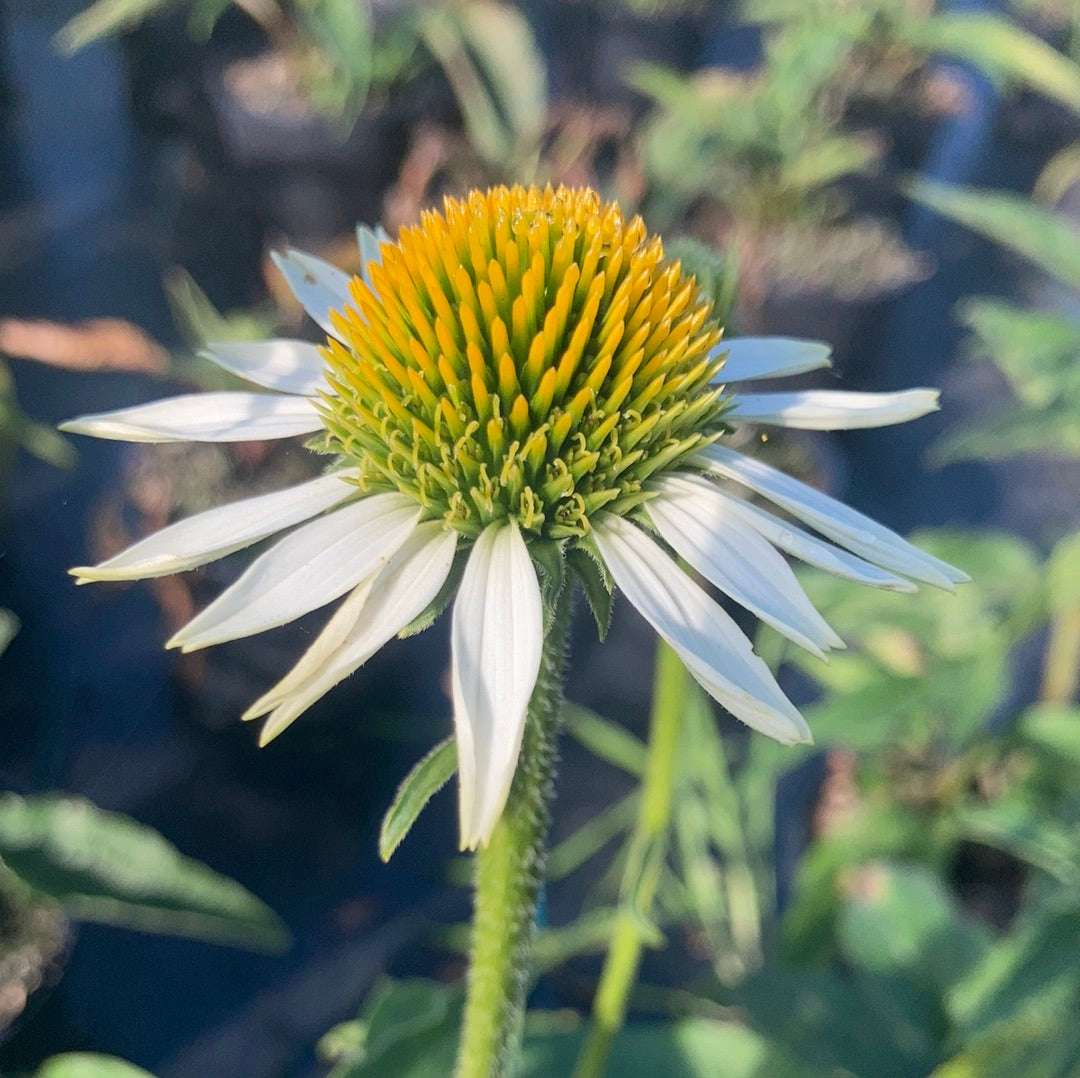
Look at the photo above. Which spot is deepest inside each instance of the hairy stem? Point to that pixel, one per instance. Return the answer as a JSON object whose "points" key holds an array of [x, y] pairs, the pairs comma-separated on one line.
{"points": [[508, 875], [644, 864]]}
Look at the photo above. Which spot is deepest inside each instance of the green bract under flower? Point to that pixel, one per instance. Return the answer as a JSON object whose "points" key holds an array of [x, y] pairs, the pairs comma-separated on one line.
{"points": [[526, 354]]}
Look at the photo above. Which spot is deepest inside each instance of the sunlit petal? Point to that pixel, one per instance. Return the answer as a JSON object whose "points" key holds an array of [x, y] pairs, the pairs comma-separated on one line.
{"points": [[833, 409], [769, 357], [287, 366]]}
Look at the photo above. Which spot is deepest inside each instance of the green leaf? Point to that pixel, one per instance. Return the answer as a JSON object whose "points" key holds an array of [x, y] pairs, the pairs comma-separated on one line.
{"points": [[1054, 729], [548, 556], [9, 627], [89, 1065], [591, 837], [612, 743], [1003, 50], [595, 583], [1035, 350], [899, 919], [1046, 238], [828, 161], [104, 18], [425, 780], [104, 867]]}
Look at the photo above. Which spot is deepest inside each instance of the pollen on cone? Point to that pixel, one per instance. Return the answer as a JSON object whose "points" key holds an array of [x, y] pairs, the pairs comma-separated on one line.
{"points": [[523, 353]]}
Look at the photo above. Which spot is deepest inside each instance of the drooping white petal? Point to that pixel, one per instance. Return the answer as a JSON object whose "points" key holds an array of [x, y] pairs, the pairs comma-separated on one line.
{"points": [[308, 569], [844, 525], [208, 536], [287, 366], [808, 548], [320, 287], [769, 357], [370, 240], [496, 638], [375, 612], [706, 639], [203, 417], [833, 409], [692, 516]]}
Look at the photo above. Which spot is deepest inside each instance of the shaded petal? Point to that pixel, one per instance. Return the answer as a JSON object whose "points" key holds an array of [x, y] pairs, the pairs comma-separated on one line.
{"points": [[693, 518], [833, 409], [497, 636], [705, 638], [808, 548], [770, 357], [370, 242], [204, 417], [208, 536], [320, 287], [376, 611], [308, 569], [844, 525], [287, 366]]}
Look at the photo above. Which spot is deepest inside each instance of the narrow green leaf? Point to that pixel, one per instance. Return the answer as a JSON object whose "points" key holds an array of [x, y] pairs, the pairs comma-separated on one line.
{"points": [[1036, 233], [605, 739], [103, 867], [425, 780], [104, 18], [591, 837], [596, 585]]}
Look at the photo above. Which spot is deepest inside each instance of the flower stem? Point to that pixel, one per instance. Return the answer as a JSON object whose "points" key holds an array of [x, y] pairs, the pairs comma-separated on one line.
{"points": [[644, 864], [507, 878]]}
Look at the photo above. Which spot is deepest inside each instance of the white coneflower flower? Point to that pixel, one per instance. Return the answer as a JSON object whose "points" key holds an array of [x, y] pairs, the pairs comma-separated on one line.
{"points": [[523, 370]]}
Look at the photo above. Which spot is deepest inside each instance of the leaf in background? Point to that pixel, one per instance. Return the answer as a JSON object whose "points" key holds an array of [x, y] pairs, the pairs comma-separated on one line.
{"points": [[591, 837], [1037, 351], [1053, 431], [88, 1065], [1063, 572], [339, 79], [9, 627], [1054, 729], [104, 867], [1003, 51], [103, 18], [1044, 237], [829, 160], [611, 742], [899, 919], [425, 780]]}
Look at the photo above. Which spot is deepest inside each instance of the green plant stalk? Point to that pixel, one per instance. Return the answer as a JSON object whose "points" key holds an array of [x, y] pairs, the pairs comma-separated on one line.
{"points": [[644, 865], [508, 874], [1061, 669]]}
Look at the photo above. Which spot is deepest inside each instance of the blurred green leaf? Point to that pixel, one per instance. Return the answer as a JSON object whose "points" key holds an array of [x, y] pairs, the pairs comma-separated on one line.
{"points": [[899, 919], [103, 867], [9, 627], [103, 18], [89, 1065], [827, 161], [1035, 350], [1054, 729], [611, 742], [1041, 235], [591, 837], [1004, 51], [425, 780]]}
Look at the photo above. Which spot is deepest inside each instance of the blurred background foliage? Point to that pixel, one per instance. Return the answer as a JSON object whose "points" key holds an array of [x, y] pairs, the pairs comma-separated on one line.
{"points": [[901, 898]]}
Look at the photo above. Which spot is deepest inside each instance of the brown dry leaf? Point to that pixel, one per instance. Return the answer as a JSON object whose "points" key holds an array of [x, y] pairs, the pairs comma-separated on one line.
{"points": [[101, 344]]}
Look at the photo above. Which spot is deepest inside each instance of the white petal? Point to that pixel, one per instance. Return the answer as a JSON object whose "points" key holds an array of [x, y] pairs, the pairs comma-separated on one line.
{"points": [[808, 548], [497, 636], [308, 569], [320, 287], [208, 536], [692, 516], [844, 525], [287, 366], [370, 242], [769, 357], [204, 417], [706, 639], [833, 409], [375, 613]]}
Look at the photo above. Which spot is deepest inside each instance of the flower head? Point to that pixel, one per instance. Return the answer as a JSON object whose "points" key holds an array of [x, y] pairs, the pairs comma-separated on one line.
{"points": [[524, 369]]}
